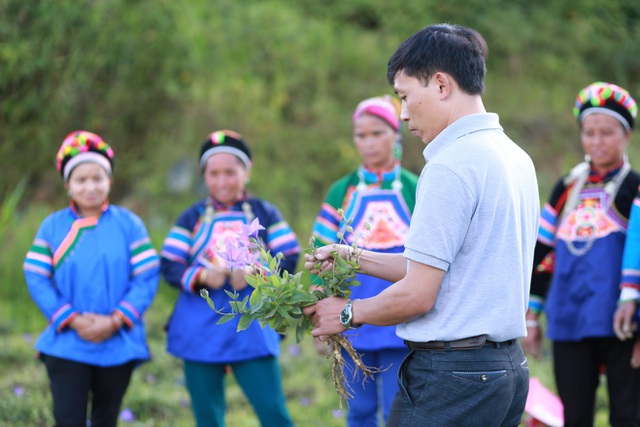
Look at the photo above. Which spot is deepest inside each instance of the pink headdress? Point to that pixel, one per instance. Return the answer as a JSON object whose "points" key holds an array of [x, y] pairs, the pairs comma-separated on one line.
{"points": [[384, 107]]}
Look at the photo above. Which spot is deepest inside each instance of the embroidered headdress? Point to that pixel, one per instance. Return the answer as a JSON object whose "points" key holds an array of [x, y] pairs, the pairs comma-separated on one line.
{"points": [[606, 98], [225, 141], [81, 147]]}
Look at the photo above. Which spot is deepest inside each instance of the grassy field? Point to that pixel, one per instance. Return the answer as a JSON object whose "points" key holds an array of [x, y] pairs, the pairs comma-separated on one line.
{"points": [[157, 396]]}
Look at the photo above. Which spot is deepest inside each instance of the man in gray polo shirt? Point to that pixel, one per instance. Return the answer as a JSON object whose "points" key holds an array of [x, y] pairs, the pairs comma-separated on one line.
{"points": [[461, 287]]}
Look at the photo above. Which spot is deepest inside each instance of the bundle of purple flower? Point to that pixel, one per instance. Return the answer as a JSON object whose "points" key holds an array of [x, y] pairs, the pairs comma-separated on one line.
{"points": [[278, 297], [241, 252]]}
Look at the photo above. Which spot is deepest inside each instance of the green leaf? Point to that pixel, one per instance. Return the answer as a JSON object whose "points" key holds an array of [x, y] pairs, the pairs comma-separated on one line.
{"points": [[272, 311], [302, 297], [253, 280], [226, 318], [301, 331], [282, 311], [256, 298], [244, 323], [209, 300]]}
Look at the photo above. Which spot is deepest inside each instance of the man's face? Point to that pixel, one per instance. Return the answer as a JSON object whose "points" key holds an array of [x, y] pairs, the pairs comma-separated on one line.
{"points": [[420, 107]]}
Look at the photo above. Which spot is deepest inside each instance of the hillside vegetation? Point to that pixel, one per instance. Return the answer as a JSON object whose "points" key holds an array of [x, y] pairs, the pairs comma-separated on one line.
{"points": [[154, 77]]}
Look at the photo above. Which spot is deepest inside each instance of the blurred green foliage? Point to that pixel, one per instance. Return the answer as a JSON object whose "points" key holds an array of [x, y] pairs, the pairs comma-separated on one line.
{"points": [[154, 77]]}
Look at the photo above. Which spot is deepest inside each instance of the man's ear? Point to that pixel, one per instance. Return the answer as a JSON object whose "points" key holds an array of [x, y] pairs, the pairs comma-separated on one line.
{"points": [[443, 83]]}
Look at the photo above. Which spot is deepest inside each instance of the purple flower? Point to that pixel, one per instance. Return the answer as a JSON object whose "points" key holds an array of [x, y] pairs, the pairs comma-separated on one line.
{"points": [[27, 338], [18, 391], [337, 413], [150, 378], [294, 350], [305, 401], [235, 256], [251, 230], [127, 416]]}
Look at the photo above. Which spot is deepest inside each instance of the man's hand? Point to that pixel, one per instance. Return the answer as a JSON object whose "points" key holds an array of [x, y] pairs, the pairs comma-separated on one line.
{"points": [[322, 258], [532, 343], [325, 315], [622, 320]]}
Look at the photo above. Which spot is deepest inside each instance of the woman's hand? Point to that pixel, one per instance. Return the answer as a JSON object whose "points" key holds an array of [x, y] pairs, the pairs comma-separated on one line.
{"points": [[214, 277], [92, 327], [237, 279], [622, 320], [80, 324]]}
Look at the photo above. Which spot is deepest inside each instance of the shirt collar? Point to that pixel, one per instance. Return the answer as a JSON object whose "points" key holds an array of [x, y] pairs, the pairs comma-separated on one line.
{"points": [[380, 175], [595, 176], [461, 127], [76, 212]]}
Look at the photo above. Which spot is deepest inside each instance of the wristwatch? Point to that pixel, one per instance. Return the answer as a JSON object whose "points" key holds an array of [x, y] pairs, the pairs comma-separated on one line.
{"points": [[346, 317]]}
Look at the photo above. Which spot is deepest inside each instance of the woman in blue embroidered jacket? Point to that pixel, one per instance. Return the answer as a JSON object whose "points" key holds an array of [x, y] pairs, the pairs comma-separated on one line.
{"points": [[93, 272], [580, 248], [380, 194], [190, 262]]}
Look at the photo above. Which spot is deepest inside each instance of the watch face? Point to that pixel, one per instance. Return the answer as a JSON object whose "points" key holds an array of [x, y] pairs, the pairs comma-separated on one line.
{"points": [[345, 316]]}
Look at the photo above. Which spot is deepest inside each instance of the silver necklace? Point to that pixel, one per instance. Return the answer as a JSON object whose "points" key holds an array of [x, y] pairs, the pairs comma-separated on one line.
{"points": [[610, 189]]}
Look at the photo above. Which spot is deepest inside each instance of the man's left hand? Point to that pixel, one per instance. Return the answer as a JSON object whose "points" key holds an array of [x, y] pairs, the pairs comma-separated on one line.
{"points": [[325, 315]]}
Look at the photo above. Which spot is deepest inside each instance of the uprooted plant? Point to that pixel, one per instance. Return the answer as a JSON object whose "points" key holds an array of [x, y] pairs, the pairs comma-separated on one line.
{"points": [[279, 297]]}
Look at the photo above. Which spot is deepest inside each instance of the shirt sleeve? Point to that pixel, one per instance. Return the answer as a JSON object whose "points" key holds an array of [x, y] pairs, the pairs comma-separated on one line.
{"points": [[144, 276], [630, 282], [543, 259], [281, 238], [38, 271], [328, 222], [174, 262], [441, 219]]}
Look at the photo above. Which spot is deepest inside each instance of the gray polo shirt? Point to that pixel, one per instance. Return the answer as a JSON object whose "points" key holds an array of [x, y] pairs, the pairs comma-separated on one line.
{"points": [[476, 218]]}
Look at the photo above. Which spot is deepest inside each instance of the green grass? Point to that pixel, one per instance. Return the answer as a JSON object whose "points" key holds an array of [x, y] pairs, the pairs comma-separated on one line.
{"points": [[157, 396]]}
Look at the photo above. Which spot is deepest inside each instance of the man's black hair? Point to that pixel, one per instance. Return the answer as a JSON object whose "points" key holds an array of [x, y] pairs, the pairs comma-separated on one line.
{"points": [[456, 50]]}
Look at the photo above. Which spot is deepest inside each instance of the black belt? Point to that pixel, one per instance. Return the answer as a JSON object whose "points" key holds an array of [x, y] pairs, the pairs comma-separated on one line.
{"points": [[463, 344]]}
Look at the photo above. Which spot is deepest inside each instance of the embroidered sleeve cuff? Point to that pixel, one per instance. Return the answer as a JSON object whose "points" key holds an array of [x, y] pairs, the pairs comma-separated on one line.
{"points": [[536, 304], [127, 313], [629, 294], [62, 317], [190, 279]]}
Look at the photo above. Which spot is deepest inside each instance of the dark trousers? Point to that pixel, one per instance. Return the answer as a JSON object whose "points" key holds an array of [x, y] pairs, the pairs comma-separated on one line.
{"points": [[71, 383], [577, 367], [483, 387]]}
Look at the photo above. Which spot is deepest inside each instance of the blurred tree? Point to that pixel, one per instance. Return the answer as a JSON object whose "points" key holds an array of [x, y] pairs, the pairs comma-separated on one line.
{"points": [[155, 77]]}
